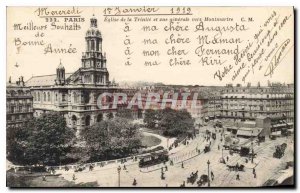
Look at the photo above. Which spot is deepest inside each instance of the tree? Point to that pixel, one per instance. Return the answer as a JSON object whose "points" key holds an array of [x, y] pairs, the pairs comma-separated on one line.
{"points": [[152, 117], [124, 113], [110, 115], [111, 139], [175, 123], [44, 140]]}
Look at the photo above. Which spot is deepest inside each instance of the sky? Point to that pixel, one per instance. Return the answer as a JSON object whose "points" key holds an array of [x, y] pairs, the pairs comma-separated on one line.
{"points": [[33, 61]]}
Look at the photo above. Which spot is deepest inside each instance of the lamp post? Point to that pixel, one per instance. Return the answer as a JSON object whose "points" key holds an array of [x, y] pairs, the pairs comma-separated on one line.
{"points": [[208, 184], [119, 170], [222, 153], [252, 147]]}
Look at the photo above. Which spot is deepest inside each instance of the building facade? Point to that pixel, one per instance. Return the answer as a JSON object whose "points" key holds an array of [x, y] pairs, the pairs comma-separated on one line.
{"points": [[246, 103], [75, 95], [19, 103]]}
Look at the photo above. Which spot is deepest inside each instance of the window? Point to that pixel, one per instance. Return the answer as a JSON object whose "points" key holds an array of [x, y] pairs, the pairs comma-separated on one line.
{"points": [[75, 97], [28, 108], [63, 97], [45, 97], [12, 109], [49, 97], [20, 108]]}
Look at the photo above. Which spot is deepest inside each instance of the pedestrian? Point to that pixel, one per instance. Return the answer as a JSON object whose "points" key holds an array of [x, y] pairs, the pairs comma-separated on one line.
{"points": [[253, 171], [124, 168], [162, 170], [182, 165], [254, 175], [212, 175], [44, 178], [237, 176], [166, 168], [183, 184], [218, 147], [91, 168], [192, 174], [246, 160], [162, 176], [227, 158], [134, 182], [74, 178]]}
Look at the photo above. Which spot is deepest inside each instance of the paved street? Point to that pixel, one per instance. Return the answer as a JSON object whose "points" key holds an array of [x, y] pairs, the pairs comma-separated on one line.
{"points": [[265, 165]]}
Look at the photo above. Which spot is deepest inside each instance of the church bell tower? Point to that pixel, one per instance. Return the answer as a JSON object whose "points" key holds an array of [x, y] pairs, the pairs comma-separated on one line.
{"points": [[93, 59]]}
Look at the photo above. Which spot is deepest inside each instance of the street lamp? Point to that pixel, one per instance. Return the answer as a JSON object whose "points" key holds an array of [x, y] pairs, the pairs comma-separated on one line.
{"points": [[252, 147], [222, 153], [119, 170], [208, 173]]}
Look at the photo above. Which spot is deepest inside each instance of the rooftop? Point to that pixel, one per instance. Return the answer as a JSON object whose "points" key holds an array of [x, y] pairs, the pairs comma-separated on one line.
{"points": [[46, 80]]}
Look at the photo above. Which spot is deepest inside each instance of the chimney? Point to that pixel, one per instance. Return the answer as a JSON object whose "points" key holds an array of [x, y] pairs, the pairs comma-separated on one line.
{"points": [[22, 81]]}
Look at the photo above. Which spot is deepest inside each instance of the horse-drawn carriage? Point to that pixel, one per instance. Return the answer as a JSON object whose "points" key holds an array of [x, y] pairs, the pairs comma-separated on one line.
{"points": [[206, 148], [80, 168], [154, 158], [272, 137], [244, 151], [279, 151], [234, 149], [203, 180], [261, 139], [236, 167], [193, 177]]}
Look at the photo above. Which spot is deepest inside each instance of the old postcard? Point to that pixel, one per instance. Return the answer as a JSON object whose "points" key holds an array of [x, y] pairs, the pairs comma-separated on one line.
{"points": [[150, 97]]}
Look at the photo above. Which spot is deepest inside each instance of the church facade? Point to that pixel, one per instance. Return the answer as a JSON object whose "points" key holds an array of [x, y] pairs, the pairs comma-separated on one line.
{"points": [[75, 94]]}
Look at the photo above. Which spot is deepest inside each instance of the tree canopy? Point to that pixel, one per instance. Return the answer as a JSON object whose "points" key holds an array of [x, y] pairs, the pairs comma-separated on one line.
{"points": [[113, 138], [44, 140], [124, 113], [172, 122]]}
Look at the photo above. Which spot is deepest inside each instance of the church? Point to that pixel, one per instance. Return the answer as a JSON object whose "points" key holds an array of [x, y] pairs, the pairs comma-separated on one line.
{"points": [[75, 94]]}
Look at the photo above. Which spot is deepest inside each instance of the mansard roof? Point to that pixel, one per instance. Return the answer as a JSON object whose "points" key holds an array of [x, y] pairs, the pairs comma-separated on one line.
{"points": [[46, 80]]}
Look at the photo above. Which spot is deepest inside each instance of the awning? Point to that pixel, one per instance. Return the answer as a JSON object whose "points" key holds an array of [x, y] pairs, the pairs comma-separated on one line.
{"points": [[279, 125], [231, 127], [276, 133], [254, 132]]}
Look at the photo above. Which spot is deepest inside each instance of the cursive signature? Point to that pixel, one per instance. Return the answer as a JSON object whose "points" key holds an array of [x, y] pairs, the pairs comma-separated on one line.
{"points": [[276, 59]]}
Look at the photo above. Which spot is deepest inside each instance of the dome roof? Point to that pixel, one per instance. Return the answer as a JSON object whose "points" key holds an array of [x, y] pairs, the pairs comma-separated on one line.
{"points": [[60, 66], [93, 30]]}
